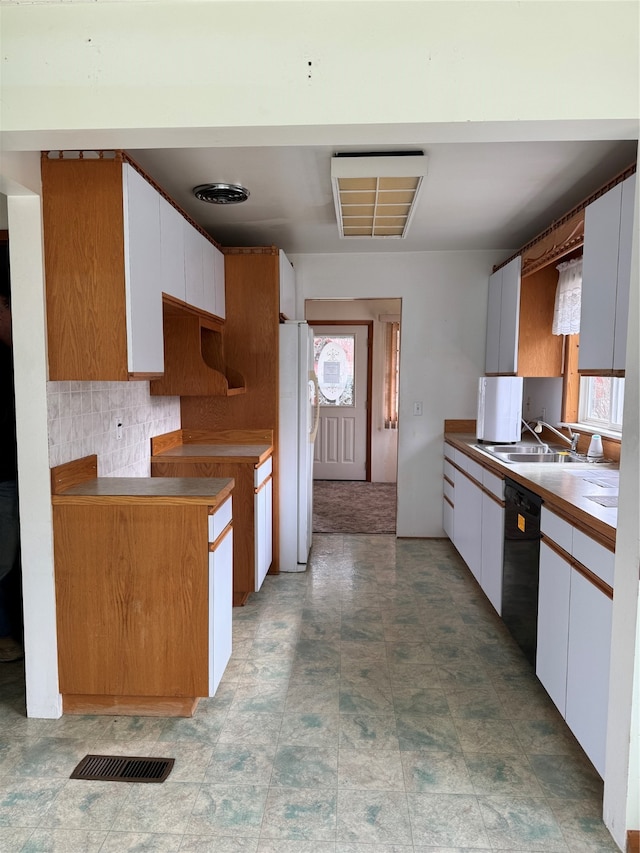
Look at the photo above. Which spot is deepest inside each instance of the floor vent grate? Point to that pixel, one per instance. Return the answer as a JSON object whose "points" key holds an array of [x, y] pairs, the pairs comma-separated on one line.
{"points": [[114, 768]]}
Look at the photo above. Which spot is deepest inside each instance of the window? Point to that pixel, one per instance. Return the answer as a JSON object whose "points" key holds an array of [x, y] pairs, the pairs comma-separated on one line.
{"points": [[334, 366], [601, 400], [391, 375]]}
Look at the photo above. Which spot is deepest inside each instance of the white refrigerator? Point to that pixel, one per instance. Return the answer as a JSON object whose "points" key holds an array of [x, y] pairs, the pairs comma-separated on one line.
{"points": [[297, 427]]}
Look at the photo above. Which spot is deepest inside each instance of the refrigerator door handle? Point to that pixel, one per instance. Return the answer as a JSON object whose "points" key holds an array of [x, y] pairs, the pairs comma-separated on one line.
{"points": [[313, 379]]}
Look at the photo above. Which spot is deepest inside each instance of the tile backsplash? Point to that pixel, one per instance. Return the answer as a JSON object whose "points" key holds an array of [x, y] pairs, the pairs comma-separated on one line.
{"points": [[82, 418]]}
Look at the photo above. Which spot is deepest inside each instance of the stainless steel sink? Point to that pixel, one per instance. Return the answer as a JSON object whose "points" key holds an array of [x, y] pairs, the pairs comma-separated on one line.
{"points": [[551, 456]]}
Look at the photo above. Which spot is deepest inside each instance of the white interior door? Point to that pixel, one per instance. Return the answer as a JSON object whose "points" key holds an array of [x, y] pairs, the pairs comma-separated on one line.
{"points": [[340, 362]]}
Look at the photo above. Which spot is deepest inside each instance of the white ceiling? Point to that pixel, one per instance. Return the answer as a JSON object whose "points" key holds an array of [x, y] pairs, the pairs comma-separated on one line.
{"points": [[477, 195]]}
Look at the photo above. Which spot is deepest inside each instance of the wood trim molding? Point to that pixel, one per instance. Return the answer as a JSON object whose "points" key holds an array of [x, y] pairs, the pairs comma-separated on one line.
{"points": [[555, 231], [73, 473], [214, 545], [450, 504], [250, 250], [131, 706], [633, 841], [460, 426], [262, 485], [579, 567]]}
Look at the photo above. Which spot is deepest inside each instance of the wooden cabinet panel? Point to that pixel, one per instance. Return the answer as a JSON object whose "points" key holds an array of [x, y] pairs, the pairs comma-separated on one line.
{"points": [[132, 599]]}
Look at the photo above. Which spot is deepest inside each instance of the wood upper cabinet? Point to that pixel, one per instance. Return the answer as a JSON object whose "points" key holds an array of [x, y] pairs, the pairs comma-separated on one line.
{"points": [[102, 269], [606, 277], [519, 319], [113, 246]]}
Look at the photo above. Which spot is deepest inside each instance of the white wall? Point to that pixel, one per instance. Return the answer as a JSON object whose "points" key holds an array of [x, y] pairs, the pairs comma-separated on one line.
{"points": [[384, 442], [444, 307]]}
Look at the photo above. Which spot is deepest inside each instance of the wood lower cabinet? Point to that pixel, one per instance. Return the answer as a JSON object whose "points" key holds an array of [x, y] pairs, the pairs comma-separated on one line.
{"points": [[186, 453], [143, 595]]}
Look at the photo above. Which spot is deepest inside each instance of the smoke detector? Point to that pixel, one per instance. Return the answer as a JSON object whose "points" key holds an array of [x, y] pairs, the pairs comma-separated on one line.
{"points": [[220, 193], [375, 194]]}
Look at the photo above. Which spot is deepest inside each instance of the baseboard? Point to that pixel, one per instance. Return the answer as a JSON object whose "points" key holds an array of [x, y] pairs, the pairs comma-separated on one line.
{"points": [[633, 841]]}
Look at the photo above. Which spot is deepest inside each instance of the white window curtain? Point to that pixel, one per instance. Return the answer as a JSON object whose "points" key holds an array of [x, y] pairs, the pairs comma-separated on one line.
{"points": [[566, 313]]}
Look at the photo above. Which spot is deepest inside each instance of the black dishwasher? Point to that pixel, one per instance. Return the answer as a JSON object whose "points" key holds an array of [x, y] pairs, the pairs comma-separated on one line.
{"points": [[521, 566]]}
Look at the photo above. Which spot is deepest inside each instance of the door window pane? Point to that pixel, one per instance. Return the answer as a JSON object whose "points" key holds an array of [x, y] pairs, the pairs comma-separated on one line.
{"points": [[334, 366]]}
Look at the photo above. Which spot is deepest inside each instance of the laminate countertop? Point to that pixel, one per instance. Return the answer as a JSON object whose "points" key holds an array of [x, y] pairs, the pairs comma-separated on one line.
{"points": [[209, 491], [251, 453], [583, 492]]}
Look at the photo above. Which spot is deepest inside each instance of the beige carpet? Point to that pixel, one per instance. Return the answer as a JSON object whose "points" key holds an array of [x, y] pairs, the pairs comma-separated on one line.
{"points": [[353, 506]]}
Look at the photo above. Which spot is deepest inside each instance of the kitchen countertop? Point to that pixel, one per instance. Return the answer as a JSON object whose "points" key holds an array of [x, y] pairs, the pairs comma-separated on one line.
{"points": [[209, 491], [565, 488], [253, 453]]}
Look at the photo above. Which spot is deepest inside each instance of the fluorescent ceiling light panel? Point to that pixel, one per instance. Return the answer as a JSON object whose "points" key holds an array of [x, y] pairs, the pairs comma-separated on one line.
{"points": [[375, 195]]}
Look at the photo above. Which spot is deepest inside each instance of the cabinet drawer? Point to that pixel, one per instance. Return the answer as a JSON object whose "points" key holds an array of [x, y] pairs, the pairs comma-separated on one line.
{"points": [[594, 556], [461, 459], [449, 451], [449, 470], [449, 491], [493, 483], [219, 520], [557, 529], [262, 472], [475, 470]]}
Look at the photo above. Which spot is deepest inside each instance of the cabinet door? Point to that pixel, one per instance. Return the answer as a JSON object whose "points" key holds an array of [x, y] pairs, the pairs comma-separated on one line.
{"points": [[287, 288], [492, 352], [553, 625], [624, 273], [145, 348], [172, 250], [599, 281], [468, 524], [509, 317], [193, 266], [208, 275], [220, 607], [588, 667], [220, 302], [492, 550], [260, 542]]}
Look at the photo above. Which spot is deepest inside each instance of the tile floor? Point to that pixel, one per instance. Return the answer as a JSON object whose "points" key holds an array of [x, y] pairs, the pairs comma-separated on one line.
{"points": [[374, 704]]}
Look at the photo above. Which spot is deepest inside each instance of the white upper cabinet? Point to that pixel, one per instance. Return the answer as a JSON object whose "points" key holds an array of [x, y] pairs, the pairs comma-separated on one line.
{"points": [[503, 314], [172, 251], [141, 207], [606, 276], [193, 265], [287, 288], [218, 266]]}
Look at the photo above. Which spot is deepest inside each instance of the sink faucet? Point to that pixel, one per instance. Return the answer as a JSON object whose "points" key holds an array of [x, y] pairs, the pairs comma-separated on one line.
{"points": [[572, 440], [533, 433]]}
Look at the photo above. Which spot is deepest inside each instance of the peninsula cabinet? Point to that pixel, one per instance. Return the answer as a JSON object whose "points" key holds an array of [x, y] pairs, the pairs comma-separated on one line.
{"points": [[606, 279], [143, 578], [574, 630], [113, 243]]}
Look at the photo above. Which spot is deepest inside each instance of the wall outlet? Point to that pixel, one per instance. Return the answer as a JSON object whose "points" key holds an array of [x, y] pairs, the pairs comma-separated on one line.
{"points": [[417, 408], [118, 423]]}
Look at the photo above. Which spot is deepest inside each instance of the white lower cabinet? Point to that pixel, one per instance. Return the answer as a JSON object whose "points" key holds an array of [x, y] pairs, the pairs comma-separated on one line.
{"points": [[473, 518], [492, 550], [574, 633], [220, 608], [588, 667], [263, 509], [553, 625]]}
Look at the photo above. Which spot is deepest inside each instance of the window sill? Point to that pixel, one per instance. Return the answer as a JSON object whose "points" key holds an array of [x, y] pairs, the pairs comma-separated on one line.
{"points": [[590, 429]]}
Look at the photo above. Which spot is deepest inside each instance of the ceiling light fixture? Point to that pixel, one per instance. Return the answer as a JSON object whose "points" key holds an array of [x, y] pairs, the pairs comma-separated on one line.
{"points": [[375, 194], [221, 193]]}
